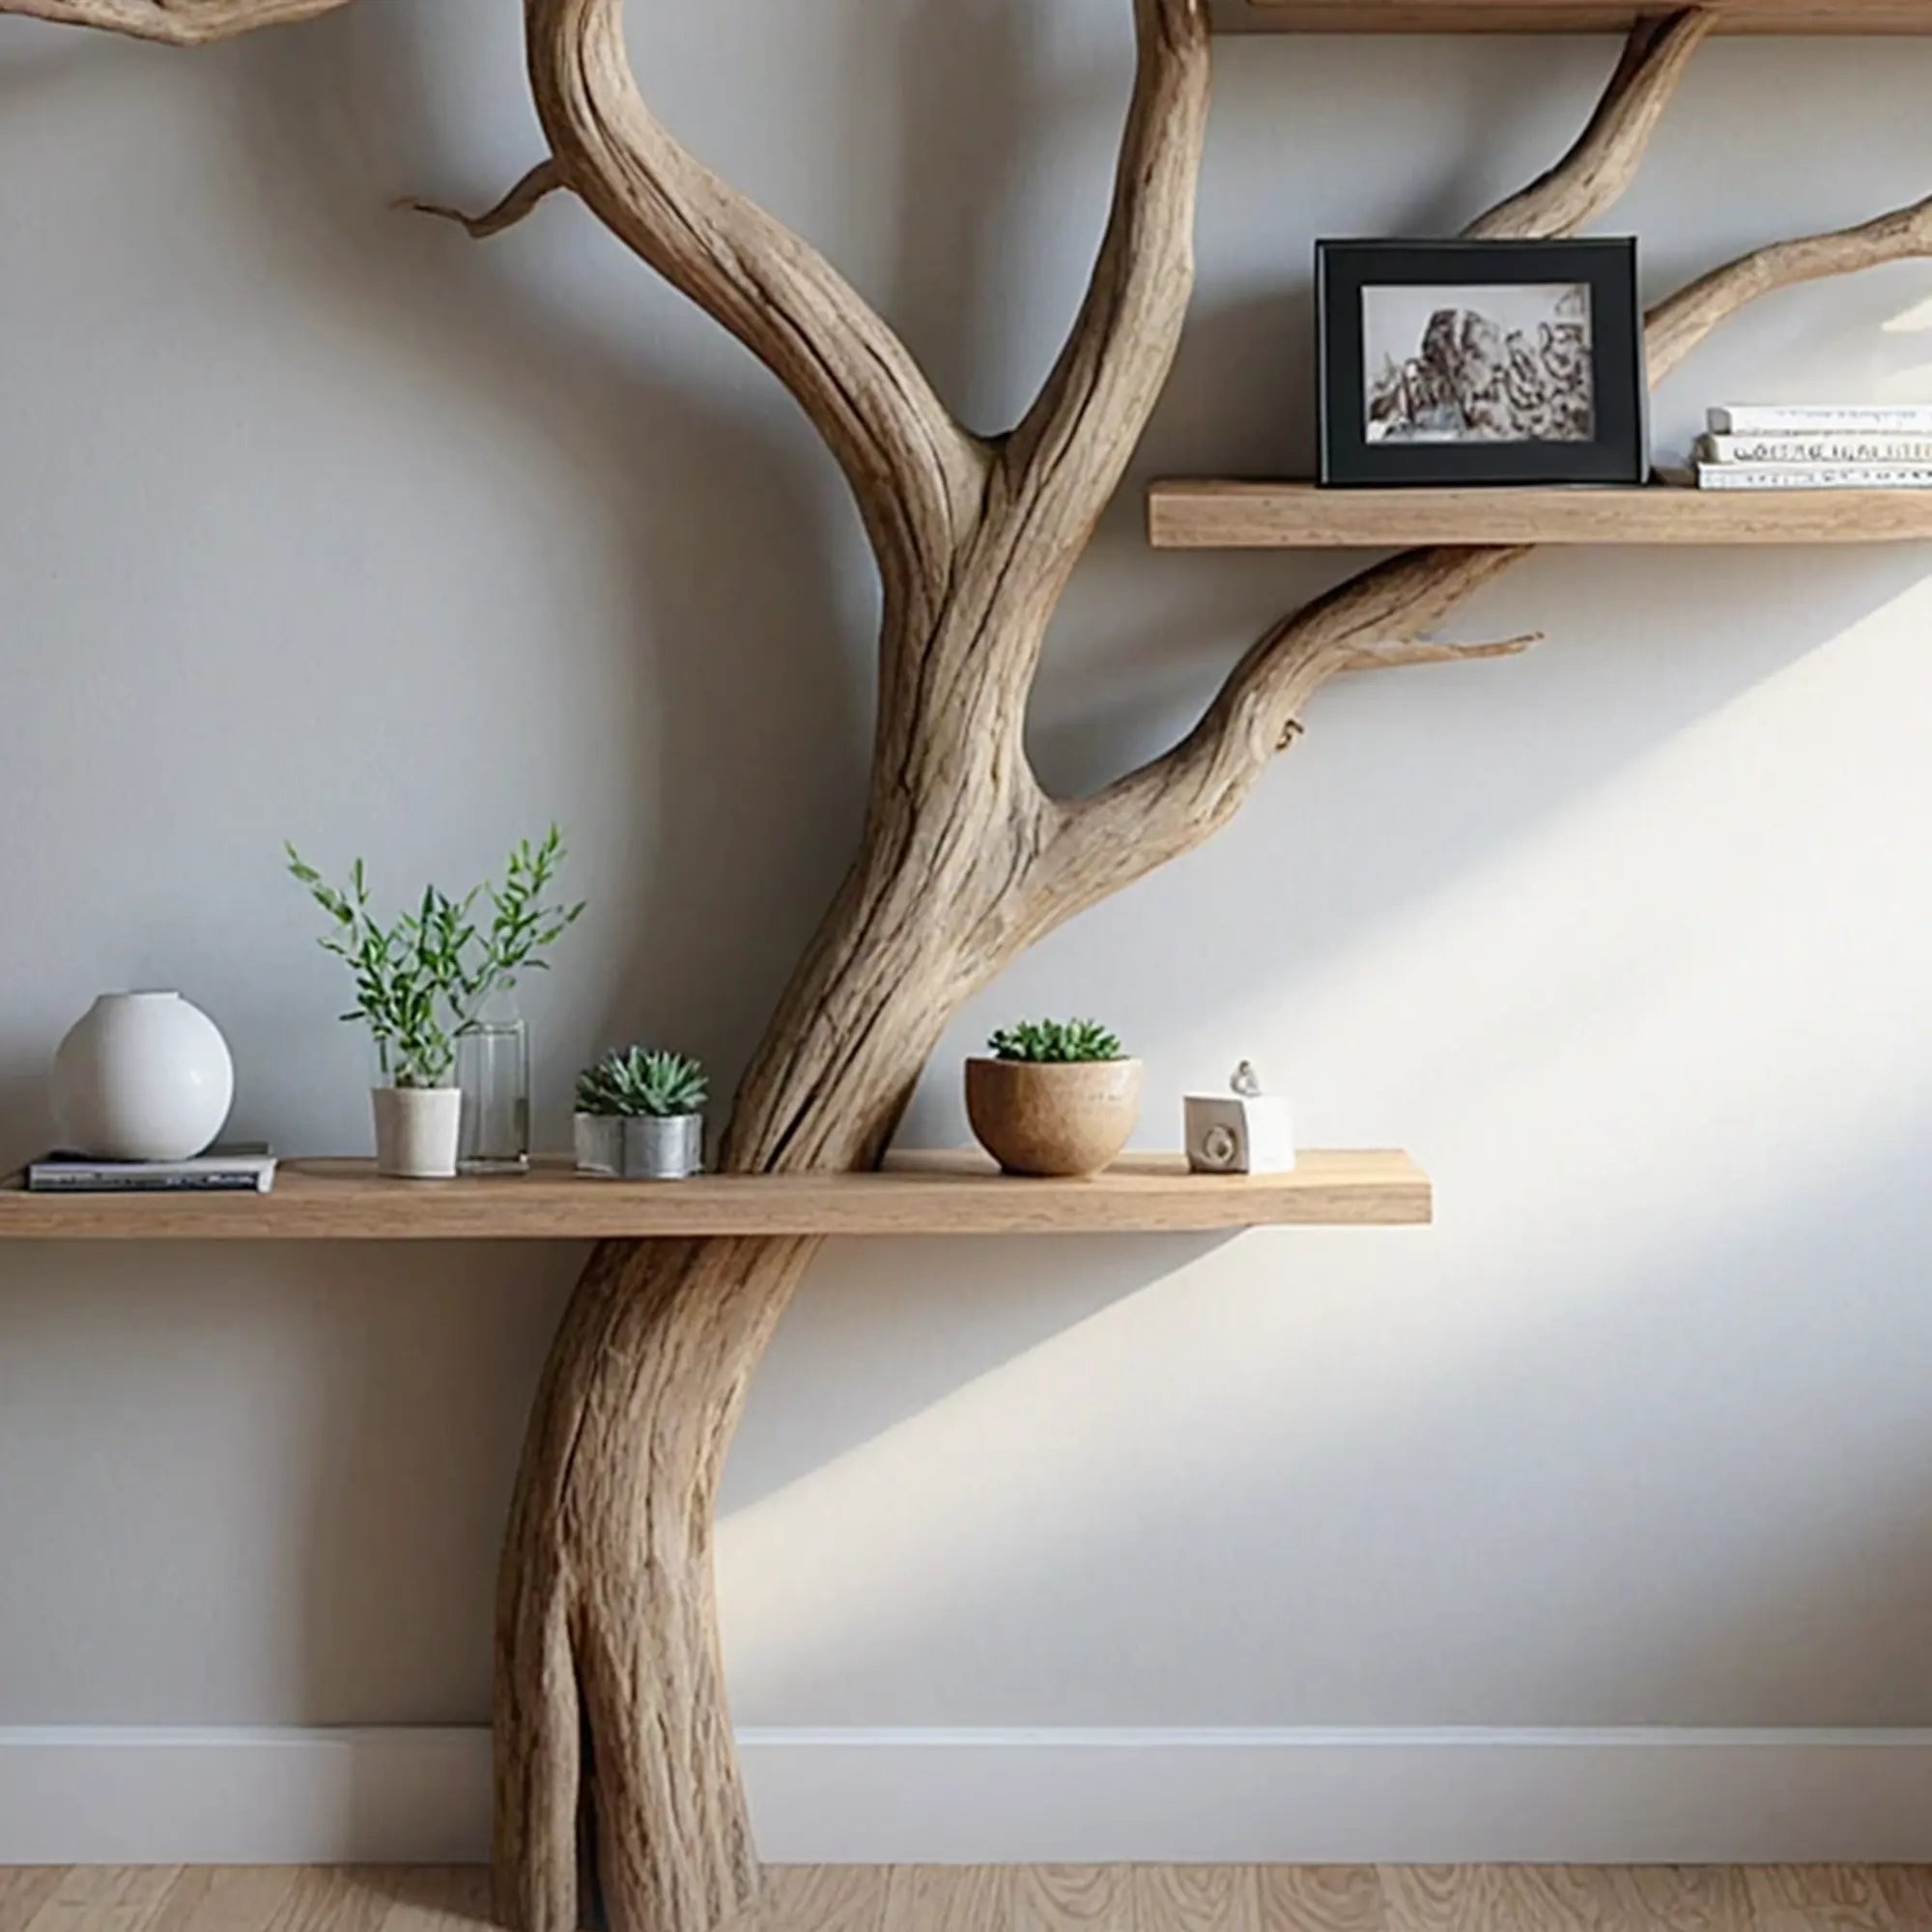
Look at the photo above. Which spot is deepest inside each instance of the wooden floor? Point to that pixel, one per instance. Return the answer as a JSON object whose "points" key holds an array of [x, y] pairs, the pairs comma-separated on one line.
{"points": [[1115, 1898]]}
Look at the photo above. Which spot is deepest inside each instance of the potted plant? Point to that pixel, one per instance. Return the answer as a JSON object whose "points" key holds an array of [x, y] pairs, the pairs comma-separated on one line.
{"points": [[1057, 1098], [421, 982], [641, 1114]]}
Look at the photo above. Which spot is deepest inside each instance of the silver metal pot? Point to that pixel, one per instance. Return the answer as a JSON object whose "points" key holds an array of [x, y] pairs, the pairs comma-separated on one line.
{"points": [[600, 1144], [663, 1149]]}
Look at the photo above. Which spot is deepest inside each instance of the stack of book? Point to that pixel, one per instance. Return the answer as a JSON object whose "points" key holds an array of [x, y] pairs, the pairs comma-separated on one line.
{"points": [[1817, 446], [249, 1169]]}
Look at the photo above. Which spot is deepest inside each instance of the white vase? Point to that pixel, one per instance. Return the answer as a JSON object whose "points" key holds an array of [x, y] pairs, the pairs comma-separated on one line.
{"points": [[143, 1076], [417, 1129]]}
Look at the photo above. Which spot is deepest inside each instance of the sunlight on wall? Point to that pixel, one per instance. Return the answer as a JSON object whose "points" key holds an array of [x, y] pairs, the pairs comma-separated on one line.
{"points": [[1912, 320], [1728, 1003]]}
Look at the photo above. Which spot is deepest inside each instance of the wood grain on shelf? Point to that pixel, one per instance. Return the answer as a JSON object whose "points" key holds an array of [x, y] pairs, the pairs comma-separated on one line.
{"points": [[1577, 17], [920, 1194], [1213, 515]]}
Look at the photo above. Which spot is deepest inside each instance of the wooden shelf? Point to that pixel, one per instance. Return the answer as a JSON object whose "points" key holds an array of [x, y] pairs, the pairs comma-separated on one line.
{"points": [[1577, 17], [1302, 516], [920, 1194]]}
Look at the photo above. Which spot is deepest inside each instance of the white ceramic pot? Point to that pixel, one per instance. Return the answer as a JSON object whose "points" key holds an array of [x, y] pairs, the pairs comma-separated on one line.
{"points": [[417, 1129], [143, 1076]]}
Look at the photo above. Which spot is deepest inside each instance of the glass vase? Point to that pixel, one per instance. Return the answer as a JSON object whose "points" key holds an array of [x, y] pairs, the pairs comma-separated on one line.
{"points": [[492, 1068]]}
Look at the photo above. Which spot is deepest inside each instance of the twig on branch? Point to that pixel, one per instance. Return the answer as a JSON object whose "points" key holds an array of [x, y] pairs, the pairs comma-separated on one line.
{"points": [[1675, 328], [174, 24], [1595, 172], [1395, 655], [541, 180], [916, 474]]}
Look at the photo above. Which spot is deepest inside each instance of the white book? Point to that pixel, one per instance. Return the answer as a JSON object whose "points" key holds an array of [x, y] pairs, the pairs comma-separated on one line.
{"points": [[1814, 476], [1819, 418], [1840, 450]]}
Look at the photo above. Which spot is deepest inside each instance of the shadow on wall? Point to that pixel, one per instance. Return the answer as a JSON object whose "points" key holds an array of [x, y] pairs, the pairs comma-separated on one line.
{"points": [[26, 1113], [411, 1457], [315, 1541], [1807, 1613]]}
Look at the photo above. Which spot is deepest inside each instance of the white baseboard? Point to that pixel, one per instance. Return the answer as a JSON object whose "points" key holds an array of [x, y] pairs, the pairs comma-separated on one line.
{"points": [[1011, 1796], [88, 1796]]}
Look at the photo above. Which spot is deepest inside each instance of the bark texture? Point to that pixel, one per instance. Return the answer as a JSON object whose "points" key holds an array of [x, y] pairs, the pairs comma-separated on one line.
{"points": [[617, 1789]]}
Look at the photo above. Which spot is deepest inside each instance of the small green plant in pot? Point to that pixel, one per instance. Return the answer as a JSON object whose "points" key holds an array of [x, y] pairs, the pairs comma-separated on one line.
{"points": [[641, 1116], [1053, 1097], [421, 980]]}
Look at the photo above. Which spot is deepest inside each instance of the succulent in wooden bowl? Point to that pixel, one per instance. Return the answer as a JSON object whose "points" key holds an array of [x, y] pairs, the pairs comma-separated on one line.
{"points": [[1053, 1097]]}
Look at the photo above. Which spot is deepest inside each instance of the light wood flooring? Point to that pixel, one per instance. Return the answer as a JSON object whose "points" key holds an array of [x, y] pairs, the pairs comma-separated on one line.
{"points": [[1114, 1898]]}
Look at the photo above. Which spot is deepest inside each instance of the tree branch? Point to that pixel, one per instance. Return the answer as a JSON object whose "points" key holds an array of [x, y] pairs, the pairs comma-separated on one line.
{"points": [[1074, 445], [542, 180], [1595, 172], [1675, 328], [918, 476], [1377, 618], [176, 23], [1178, 801]]}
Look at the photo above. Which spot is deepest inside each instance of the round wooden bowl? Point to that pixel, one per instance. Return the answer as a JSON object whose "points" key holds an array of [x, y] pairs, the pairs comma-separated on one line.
{"points": [[1059, 1121]]}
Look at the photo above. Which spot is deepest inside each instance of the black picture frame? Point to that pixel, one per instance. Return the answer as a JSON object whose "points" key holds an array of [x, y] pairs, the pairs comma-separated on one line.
{"points": [[1619, 449]]}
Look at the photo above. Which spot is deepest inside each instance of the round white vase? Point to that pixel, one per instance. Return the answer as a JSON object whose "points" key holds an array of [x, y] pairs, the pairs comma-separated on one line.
{"points": [[143, 1076]]}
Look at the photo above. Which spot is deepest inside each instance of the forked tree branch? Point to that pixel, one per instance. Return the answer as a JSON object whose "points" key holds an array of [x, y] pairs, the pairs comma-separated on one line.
{"points": [[916, 474], [177, 24], [1179, 800], [1072, 447]]}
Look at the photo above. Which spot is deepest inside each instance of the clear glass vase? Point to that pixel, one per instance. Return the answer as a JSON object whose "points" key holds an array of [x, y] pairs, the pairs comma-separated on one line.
{"points": [[492, 1068]]}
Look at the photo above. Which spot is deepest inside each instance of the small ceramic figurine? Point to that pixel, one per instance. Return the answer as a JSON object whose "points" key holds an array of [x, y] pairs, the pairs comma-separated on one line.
{"points": [[1244, 1132]]}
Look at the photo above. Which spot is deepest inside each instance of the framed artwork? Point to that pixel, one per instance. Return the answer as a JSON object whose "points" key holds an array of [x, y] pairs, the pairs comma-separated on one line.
{"points": [[1470, 362]]}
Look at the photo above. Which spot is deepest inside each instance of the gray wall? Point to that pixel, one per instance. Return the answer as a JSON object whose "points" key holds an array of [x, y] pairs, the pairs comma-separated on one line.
{"points": [[319, 522]]}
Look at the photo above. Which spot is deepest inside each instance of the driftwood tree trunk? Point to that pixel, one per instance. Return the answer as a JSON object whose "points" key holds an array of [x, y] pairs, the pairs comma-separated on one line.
{"points": [[617, 1783]]}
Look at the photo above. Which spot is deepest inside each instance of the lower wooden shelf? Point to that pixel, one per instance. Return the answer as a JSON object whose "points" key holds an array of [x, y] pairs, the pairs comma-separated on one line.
{"points": [[919, 1194], [1205, 515]]}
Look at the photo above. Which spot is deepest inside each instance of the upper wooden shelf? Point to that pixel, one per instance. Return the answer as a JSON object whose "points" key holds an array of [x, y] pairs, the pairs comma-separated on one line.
{"points": [[1577, 17], [920, 1194], [1300, 516]]}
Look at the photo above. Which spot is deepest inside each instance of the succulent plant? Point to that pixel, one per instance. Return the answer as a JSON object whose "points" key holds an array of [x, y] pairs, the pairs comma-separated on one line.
{"points": [[1057, 1042], [638, 1083]]}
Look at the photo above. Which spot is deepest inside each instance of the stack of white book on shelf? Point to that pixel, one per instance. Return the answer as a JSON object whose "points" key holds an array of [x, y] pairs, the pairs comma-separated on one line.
{"points": [[1817, 446]]}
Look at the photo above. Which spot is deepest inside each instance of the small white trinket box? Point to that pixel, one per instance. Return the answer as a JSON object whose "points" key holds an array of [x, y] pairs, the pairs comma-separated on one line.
{"points": [[1244, 1132]]}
